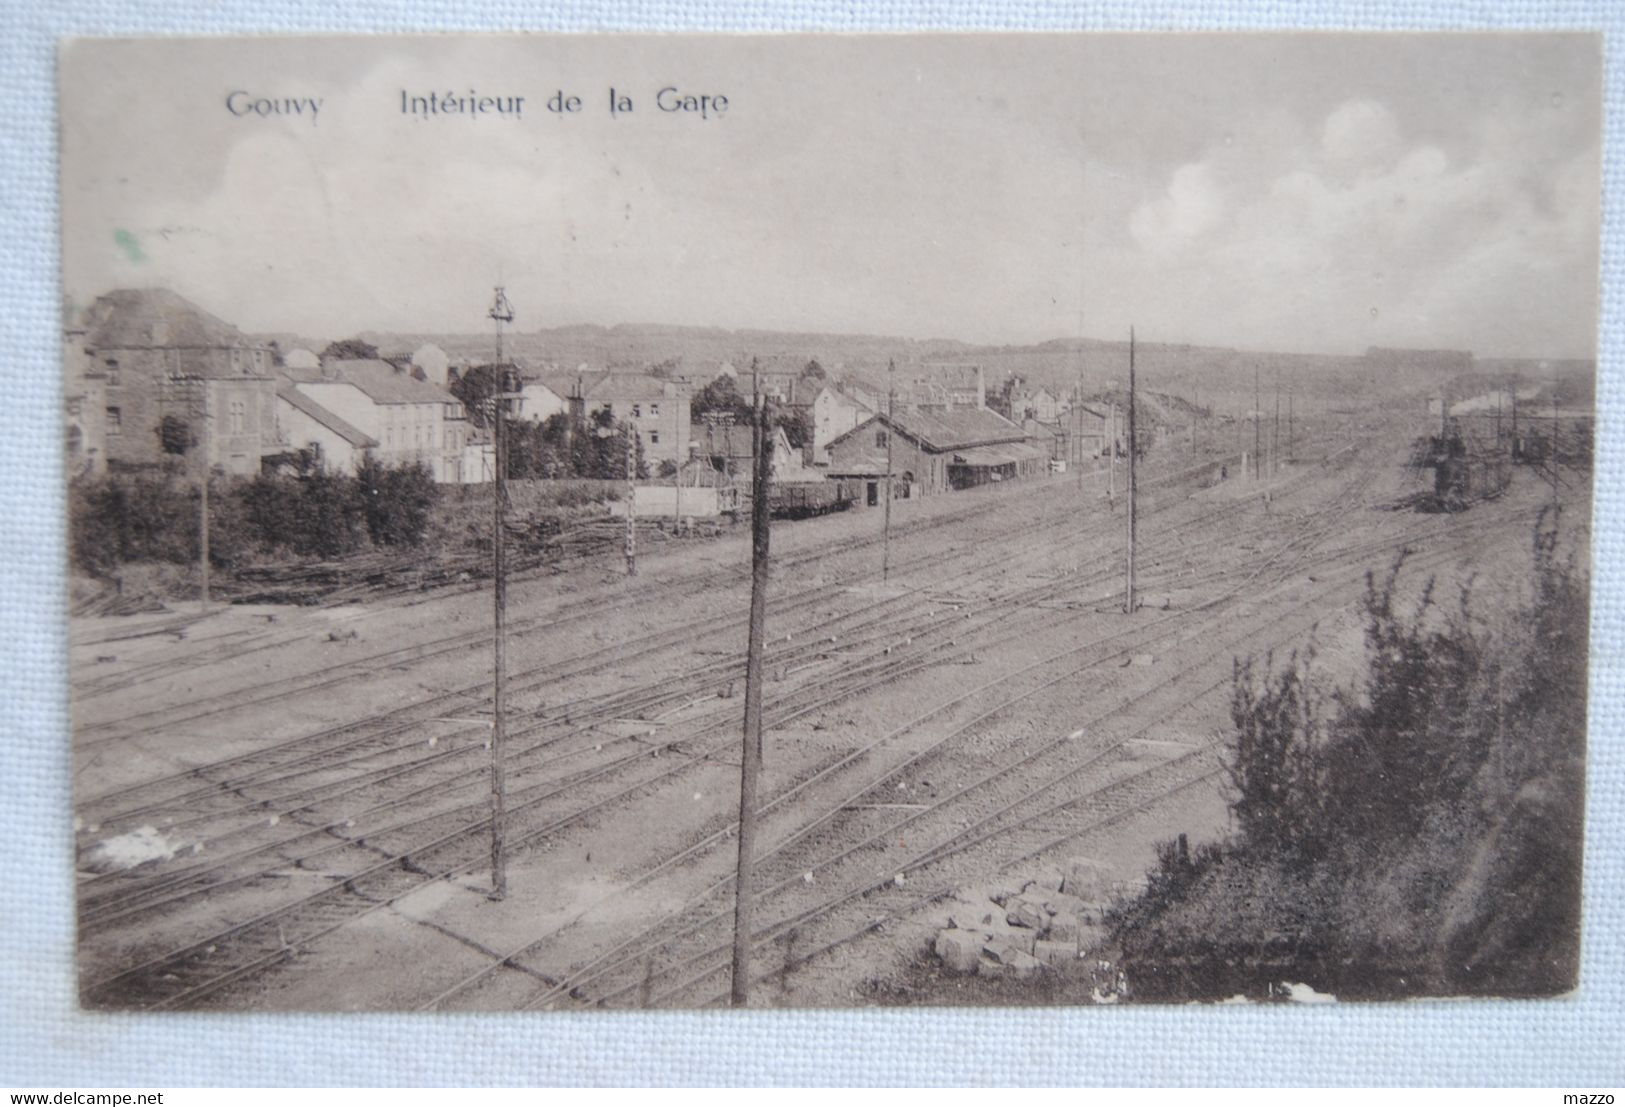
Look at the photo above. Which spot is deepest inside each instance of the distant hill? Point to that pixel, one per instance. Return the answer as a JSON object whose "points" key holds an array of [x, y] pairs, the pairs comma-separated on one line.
{"points": [[1216, 379]]}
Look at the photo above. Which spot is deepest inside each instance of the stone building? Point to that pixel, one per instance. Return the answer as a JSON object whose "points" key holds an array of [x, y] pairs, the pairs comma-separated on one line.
{"points": [[165, 362]]}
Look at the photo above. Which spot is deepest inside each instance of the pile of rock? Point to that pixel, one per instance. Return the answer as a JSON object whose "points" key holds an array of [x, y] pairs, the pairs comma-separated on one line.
{"points": [[1029, 922]]}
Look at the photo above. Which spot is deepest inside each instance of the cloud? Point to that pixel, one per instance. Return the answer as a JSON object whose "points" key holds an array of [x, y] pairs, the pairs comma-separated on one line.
{"points": [[1365, 238], [1188, 209], [1360, 134]]}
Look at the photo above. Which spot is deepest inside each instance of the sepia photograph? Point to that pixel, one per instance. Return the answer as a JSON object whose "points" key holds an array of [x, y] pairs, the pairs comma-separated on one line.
{"points": [[577, 522]]}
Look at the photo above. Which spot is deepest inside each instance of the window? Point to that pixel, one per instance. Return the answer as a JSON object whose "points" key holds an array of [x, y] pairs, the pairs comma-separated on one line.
{"points": [[239, 416], [115, 421], [654, 438], [654, 411], [637, 411], [880, 438], [112, 372]]}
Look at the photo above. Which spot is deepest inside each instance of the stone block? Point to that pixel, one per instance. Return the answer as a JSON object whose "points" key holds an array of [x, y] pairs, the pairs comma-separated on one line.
{"points": [[1064, 928], [1010, 954], [1016, 937], [1018, 963], [960, 950], [1026, 912], [1062, 904], [968, 914], [1055, 953]]}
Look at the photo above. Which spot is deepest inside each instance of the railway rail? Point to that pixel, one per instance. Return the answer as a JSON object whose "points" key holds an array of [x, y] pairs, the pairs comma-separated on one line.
{"points": [[185, 977]]}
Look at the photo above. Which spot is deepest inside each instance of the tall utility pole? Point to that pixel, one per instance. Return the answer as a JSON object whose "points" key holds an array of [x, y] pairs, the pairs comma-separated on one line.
{"points": [[677, 488], [631, 433], [1111, 454], [891, 430], [1128, 604], [1515, 414], [750, 762], [1275, 433], [203, 509], [501, 312], [1077, 423], [1257, 439]]}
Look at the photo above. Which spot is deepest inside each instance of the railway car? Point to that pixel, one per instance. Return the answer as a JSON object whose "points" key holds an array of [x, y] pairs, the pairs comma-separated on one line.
{"points": [[804, 499]]}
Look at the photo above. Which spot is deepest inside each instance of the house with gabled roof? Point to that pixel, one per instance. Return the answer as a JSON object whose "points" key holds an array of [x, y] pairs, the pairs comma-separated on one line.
{"points": [[412, 421], [834, 412], [935, 451], [328, 439], [657, 409]]}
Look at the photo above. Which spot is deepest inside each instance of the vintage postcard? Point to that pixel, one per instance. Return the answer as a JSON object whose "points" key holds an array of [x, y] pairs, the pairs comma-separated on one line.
{"points": [[575, 522]]}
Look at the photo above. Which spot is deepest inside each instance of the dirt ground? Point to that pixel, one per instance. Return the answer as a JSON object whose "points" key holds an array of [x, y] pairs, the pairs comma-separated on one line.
{"points": [[987, 593]]}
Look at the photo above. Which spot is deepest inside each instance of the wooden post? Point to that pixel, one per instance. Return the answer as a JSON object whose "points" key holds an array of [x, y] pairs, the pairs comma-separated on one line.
{"points": [[499, 614], [631, 500], [1128, 604], [1275, 433], [1111, 453], [751, 755], [1077, 422], [203, 517], [891, 430], [1257, 440], [501, 312]]}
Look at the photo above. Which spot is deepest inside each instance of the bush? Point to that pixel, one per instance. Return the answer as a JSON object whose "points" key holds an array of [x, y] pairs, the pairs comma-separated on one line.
{"points": [[136, 517], [395, 501], [1424, 839]]}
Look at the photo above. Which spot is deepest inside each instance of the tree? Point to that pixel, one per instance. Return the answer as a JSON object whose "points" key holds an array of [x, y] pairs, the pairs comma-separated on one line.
{"points": [[395, 501], [175, 435], [477, 384], [721, 396], [814, 371], [350, 349]]}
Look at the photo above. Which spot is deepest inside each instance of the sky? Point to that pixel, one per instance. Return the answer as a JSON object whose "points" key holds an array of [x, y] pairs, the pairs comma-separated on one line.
{"points": [[1303, 192]]}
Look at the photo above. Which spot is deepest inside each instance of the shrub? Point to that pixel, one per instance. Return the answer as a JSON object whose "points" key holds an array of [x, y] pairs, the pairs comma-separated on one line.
{"points": [[1425, 838], [395, 501]]}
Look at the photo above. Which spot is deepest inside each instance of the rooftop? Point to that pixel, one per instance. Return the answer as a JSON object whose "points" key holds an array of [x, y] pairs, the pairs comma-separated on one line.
{"points": [[332, 422], [382, 382], [953, 429], [156, 318]]}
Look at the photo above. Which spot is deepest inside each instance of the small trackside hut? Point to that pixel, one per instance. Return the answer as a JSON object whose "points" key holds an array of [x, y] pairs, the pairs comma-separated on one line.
{"points": [[934, 451]]}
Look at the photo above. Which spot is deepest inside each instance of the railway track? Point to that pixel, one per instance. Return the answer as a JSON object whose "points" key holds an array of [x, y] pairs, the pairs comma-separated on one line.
{"points": [[197, 785], [384, 897], [166, 889], [184, 977], [642, 591], [867, 868]]}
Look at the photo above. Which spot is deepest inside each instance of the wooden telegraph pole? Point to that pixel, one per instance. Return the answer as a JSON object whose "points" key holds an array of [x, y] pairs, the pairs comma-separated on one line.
{"points": [[1289, 437], [1128, 604], [501, 312], [1077, 427], [1275, 432], [631, 432], [1111, 453], [891, 429], [750, 762], [1257, 439], [203, 508]]}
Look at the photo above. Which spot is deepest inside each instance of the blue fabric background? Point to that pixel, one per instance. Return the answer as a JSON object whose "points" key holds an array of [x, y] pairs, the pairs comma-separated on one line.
{"points": [[44, 1042]]}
